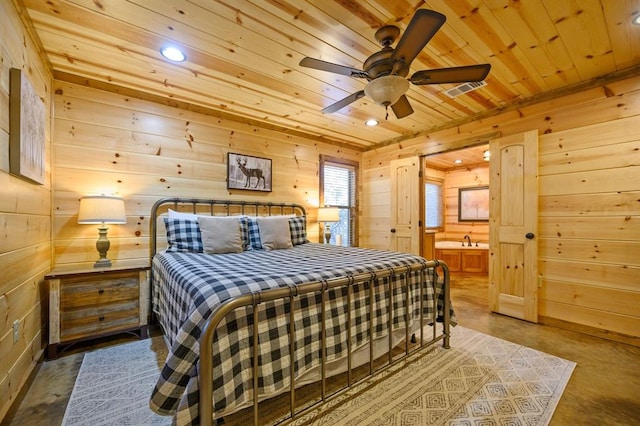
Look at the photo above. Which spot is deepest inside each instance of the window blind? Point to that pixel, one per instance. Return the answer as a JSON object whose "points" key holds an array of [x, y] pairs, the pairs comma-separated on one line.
{"points": [[433, 205], [339, 188]]}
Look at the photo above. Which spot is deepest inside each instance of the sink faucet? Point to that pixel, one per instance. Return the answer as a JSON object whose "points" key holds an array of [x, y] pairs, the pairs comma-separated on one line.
{"points": [[468, 238]]}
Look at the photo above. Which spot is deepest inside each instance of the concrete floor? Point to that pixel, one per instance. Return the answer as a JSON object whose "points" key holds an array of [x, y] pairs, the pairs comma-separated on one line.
{"points": [[604, 388]]}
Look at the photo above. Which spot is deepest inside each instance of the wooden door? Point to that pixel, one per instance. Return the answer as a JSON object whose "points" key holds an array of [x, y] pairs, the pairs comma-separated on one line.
{"points": [[513, 212], [405, 205]]}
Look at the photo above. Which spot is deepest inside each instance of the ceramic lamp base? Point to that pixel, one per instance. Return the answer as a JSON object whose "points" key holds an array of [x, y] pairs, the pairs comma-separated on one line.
{"points": [[102, 245]]}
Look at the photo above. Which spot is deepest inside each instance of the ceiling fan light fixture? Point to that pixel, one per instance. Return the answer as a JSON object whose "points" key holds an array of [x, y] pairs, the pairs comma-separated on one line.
{"points": [[386, 69], [386, 90]]}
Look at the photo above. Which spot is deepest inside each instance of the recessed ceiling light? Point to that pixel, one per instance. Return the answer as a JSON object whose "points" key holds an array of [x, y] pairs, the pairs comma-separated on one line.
{"points": [[457, 161], [371, 122], [173, 54], [636, 20]]}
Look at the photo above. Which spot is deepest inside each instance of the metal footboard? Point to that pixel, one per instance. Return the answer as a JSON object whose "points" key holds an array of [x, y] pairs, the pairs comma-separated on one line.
{"points": [[254, 300]]}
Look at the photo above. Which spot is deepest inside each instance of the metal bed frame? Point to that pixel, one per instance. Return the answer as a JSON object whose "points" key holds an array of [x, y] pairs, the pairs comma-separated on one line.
{"points": [[254, 300]]}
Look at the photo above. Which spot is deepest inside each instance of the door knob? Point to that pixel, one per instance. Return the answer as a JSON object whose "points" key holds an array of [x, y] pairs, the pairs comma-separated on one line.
{"points": [[393, 230], [529, 236]]}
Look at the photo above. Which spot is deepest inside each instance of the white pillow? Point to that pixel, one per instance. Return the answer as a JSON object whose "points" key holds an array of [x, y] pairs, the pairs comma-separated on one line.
{"points": [[179, 215], [220, 234], [274, 232]]}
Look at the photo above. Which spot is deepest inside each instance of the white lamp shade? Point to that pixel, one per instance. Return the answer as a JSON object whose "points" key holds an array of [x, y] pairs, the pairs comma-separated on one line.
{"points": [[101, 209], [386, 90], [328, 214]]}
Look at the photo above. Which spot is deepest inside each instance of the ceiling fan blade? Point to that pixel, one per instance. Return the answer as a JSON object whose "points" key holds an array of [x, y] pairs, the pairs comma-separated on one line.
{"points": [[344, 102], [451, 75], [423, 26], [330, 67], [402, 107]]}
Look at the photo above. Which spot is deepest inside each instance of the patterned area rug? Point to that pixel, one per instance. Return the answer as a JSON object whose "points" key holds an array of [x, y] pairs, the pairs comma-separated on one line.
{"points": [[114, 385], [481, 380]]}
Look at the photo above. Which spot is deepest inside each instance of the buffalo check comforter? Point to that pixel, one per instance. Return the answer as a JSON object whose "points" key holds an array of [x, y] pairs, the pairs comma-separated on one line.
{"points": [[188, 286]]}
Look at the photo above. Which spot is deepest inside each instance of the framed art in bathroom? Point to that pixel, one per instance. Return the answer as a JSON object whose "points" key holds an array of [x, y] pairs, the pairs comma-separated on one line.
{"points": [[473, 204]]}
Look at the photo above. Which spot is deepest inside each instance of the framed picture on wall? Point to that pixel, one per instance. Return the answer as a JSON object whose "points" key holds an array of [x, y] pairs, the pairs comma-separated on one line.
{"points": [[26, 129], [473, 204], [247, 172]]}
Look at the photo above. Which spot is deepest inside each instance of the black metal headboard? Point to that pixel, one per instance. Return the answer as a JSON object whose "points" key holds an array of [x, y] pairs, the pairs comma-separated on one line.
{"points": [[216, 208]]}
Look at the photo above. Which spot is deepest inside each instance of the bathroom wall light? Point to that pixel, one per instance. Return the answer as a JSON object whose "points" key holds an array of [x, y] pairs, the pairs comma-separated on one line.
{"points": [[173, 54]]}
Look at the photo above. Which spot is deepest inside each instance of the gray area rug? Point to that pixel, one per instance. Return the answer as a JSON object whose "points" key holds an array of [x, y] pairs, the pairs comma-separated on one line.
{"points": [[114, 385], [481, 380]]}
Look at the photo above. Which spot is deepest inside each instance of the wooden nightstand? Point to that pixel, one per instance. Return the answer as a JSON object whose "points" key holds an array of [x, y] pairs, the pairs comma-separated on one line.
{"points": [[90, 303]]}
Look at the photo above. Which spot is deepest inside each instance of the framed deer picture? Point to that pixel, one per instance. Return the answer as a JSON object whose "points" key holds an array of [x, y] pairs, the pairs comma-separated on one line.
{"points": [[247, 172]]}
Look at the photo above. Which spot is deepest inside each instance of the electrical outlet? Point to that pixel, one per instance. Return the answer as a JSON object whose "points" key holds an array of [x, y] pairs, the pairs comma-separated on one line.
{"points": [[16, 331]]}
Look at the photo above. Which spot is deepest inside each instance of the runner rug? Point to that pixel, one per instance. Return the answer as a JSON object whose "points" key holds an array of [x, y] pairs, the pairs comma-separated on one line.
{"points": [[480, 380]]}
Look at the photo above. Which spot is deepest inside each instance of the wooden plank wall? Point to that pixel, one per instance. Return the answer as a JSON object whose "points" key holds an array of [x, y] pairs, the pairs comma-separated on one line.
{"points": [[589, 189], [454, 180], [589, 225], [110, 143], [25, 222]]}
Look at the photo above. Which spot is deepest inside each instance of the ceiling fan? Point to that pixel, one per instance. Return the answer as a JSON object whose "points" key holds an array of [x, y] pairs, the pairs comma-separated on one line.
{"points": [[386, 70]]}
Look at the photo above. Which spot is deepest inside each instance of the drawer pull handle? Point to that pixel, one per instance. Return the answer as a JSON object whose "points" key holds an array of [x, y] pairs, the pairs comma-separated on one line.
{"points": [[101, 291], [101, 318]]}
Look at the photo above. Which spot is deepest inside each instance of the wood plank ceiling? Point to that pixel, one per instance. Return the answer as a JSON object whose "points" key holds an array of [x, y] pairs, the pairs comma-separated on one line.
{"points": [[242, 56]]}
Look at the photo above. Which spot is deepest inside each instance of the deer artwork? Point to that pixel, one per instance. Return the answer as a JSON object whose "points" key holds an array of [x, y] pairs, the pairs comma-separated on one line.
{"points": [[250, 173]]}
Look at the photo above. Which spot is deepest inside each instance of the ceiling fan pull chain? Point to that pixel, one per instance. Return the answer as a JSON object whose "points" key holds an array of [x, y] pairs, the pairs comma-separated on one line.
{"points": [[386, 112]]}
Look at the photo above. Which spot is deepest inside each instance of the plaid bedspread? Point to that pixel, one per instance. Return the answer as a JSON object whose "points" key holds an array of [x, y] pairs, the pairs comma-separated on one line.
{"points": [[187, 287]]}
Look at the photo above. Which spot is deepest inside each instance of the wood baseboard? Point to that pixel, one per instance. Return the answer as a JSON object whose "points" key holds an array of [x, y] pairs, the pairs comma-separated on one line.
{"points": [[591, 331]]}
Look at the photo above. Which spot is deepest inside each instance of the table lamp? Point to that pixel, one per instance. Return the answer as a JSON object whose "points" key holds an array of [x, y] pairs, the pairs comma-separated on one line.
{"points": [[326, 215], [102, 210]]}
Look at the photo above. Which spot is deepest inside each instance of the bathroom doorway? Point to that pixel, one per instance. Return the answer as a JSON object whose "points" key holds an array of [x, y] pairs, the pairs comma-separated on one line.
{"points": [[451, 233], [459, 238]]}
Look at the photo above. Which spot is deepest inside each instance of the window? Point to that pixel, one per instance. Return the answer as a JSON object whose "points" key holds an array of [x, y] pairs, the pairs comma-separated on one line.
{"points": [[433, 205], [338, 189]]}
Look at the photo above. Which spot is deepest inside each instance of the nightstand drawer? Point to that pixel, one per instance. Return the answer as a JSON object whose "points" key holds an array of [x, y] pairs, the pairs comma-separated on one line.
{"points": [[81, 291], [92, 321]]}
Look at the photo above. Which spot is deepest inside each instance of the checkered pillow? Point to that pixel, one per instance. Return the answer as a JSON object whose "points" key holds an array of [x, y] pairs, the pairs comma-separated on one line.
{"points": [[244, 232], [183, 235], [254, 234], [298, 228]]}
